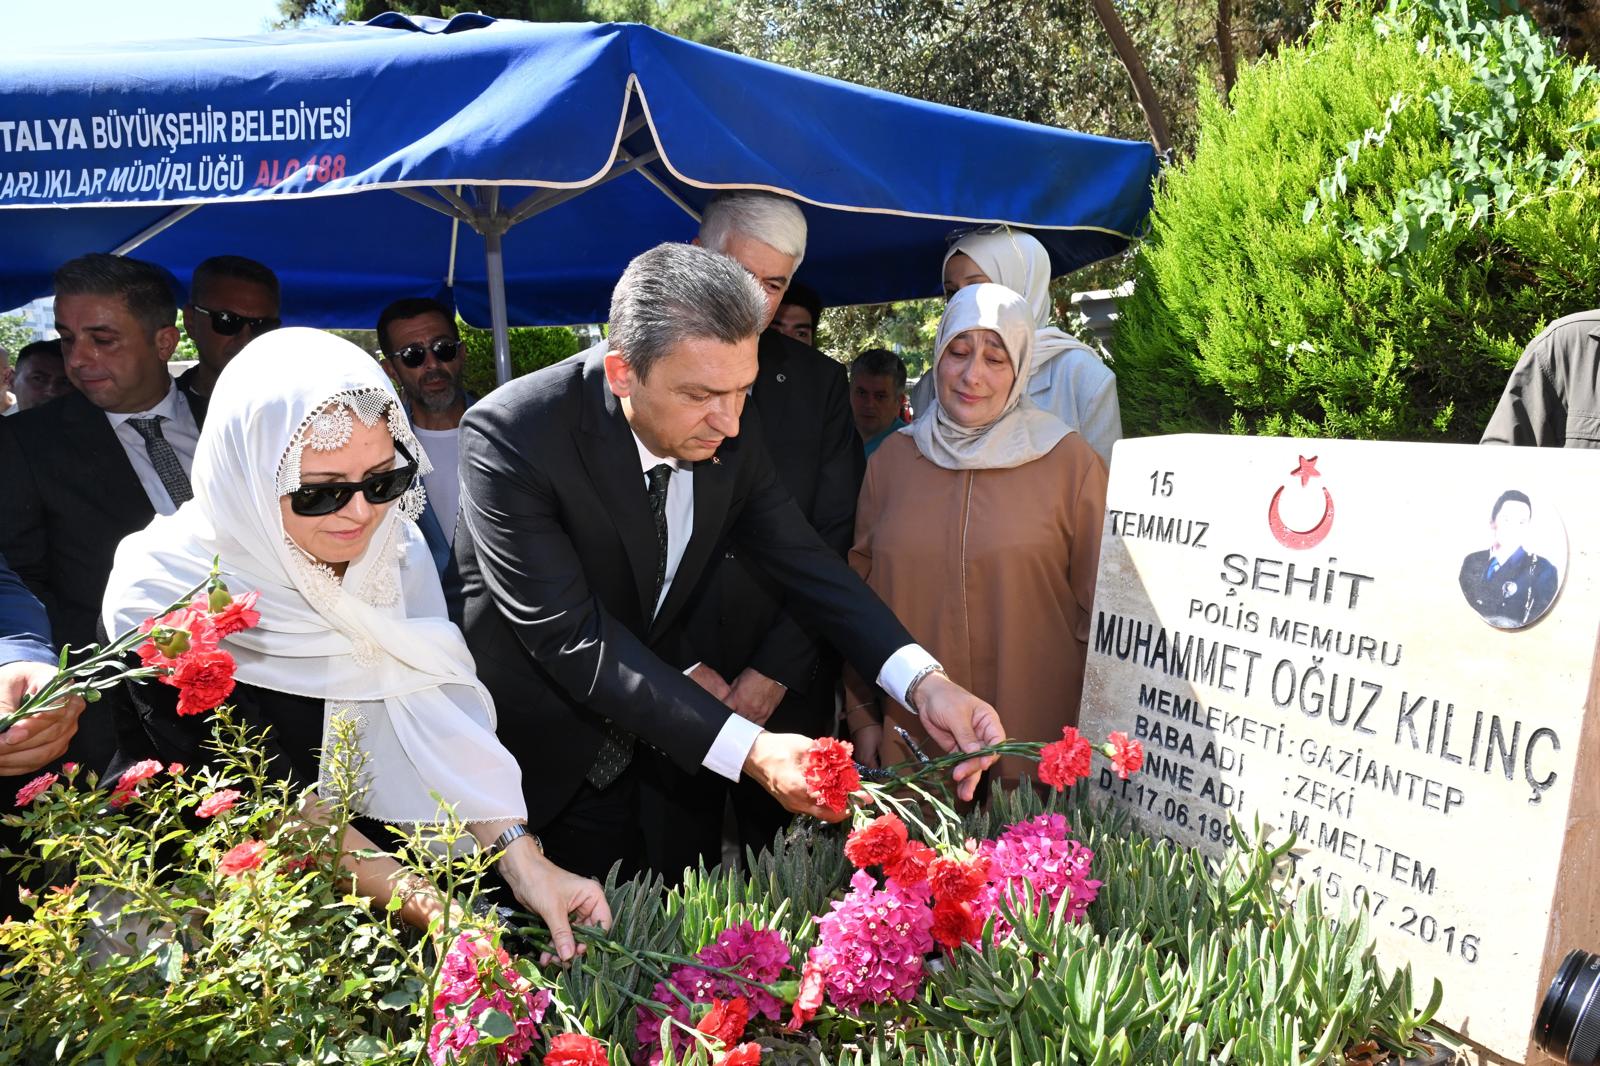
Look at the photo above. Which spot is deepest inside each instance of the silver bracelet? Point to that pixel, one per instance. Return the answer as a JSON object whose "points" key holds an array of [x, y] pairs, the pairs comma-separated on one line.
{"points": [[503, 841], [931, 668]]}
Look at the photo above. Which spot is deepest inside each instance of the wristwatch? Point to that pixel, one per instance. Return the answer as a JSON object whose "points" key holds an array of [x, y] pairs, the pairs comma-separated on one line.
{"points": [[503, 841]]}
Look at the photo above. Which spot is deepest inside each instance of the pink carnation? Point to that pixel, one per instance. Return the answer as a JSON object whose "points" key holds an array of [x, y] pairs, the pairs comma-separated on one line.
{"points": [[871, 946]]}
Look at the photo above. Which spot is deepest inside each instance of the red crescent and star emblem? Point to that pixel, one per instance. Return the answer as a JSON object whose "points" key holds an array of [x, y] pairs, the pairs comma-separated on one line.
{"points": [[1301, 539]]}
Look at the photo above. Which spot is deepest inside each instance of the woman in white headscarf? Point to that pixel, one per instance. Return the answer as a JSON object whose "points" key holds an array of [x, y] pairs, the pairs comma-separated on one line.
{"points": [[307, 485], [979, 525], [1069, 379]]}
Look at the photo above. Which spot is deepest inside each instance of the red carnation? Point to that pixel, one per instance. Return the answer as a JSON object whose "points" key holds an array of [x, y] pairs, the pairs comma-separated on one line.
{"points": [[910, 867], [831, 775], [575, 1049], [176, 634], [218, 802], [204, 679], [242, 857], [878, 843], [743, 1055], [726, 1019], [1066, 761], [35, 788], [954, 923], [1127, 756], [237, 616], [809, 999], [957, 879]]}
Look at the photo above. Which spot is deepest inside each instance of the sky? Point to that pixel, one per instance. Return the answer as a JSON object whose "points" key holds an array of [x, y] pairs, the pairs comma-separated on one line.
{"points": [[42, 22]]}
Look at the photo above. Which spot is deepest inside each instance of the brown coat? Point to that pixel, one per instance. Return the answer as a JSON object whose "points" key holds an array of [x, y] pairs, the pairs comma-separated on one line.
{"points": [[993, 572]]}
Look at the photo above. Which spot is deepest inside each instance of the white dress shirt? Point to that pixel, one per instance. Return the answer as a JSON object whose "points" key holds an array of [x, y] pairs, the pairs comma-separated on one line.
{"points": [[177, 426], [738, 734]]}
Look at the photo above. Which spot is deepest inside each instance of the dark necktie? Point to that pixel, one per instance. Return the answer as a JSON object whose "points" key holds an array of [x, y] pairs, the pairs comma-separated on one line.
{"points": [[660, 477], [164, 458], [616, 748], [1494, 564]]}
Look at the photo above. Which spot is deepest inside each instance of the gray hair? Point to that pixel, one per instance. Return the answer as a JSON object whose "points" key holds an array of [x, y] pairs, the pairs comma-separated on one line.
{"points": [[764, 216], [148, 290], [678, 292]]}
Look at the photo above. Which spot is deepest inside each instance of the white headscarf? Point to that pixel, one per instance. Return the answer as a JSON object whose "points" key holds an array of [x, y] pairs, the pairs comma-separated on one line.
{"points": [[1022, 432], [375, 646], [1019, 262]]}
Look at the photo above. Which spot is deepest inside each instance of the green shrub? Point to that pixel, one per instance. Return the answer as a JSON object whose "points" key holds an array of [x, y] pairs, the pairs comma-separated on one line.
{"points": [[532, 348], [1368, 233]]}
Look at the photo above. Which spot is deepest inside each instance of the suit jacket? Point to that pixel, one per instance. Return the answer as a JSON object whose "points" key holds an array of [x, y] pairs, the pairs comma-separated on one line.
{"points": [[557, 553], [71, 496], [24, 626], [737, 617]]}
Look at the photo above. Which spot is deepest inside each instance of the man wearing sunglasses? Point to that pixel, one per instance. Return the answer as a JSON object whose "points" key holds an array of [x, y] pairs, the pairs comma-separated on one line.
{"points": [[424, 355], [232, 300]]}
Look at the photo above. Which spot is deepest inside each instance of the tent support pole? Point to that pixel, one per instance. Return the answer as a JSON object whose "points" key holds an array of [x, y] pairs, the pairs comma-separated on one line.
{"points": [[143, 235], [493, 227]]}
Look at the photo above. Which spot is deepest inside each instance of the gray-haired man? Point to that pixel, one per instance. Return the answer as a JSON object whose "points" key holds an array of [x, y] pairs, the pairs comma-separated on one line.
{"points": [[593, 494]]}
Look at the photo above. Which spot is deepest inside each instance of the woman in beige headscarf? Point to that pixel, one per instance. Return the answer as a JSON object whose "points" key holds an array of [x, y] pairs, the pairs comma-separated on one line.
{"points": [[1069, 379], [979, 525]]}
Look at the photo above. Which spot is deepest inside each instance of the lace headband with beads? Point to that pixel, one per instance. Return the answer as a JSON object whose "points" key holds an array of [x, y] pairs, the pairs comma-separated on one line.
{"points": [[329, 427]]}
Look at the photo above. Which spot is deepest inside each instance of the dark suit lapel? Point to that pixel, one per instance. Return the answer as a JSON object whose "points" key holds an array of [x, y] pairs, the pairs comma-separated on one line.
{"points": [[90, 446], [611, 459], [772, 392]]}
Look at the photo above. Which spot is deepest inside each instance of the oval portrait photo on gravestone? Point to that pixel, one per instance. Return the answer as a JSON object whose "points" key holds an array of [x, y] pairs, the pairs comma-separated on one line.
{"points": [[1514, 577]]}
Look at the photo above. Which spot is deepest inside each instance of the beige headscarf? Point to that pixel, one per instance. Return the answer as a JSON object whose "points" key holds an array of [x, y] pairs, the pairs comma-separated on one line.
{"points": [[1023, 432], [1019, 262]]}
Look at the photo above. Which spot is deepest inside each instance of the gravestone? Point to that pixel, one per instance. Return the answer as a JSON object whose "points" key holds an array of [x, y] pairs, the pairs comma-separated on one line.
{"points": [[1388, 650]]}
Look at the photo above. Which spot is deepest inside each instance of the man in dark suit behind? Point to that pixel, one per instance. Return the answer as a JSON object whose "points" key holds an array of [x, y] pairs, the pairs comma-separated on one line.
{"points": [[87, 469], [593, 495], [780, 674]]}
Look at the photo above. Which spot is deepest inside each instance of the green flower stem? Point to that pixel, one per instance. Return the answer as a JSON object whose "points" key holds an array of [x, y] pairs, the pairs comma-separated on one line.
{"points": [[79, 679], [600, 940]]}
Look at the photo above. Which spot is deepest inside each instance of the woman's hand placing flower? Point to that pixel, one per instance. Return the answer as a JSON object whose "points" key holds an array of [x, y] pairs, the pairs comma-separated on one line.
{"points": [[558, 896]]}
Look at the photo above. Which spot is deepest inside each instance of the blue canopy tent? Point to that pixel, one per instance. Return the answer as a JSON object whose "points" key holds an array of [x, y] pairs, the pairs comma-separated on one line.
{"points": [[509, 168]]}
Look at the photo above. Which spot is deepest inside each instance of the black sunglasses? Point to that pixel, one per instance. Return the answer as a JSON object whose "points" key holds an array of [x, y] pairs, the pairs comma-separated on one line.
{"points": [[414, 355], [229, 323], [330, 496]]}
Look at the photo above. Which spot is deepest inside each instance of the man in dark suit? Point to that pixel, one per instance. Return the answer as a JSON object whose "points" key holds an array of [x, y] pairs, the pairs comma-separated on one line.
{"points": [[85, 470], [593, 494], [1508, 585], [780, 674]]}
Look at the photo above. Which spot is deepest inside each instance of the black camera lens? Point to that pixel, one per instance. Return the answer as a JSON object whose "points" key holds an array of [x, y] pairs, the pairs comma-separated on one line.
{"points": [[1568, 1026]]}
